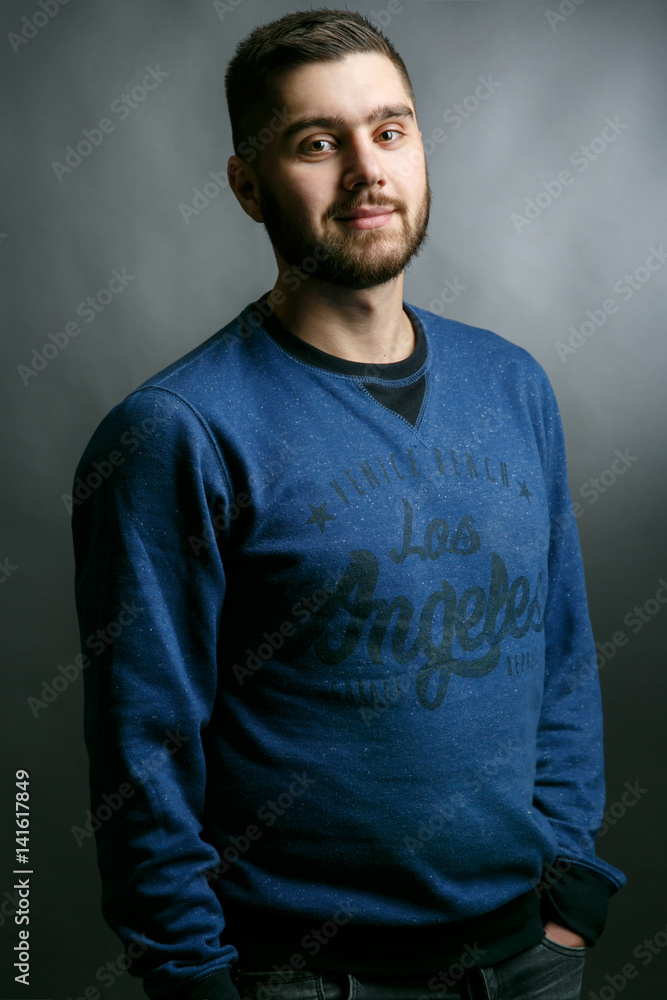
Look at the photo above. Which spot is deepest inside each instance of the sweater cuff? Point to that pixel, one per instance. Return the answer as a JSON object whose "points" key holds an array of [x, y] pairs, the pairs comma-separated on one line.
{"points": [[217, 985], [577, 898]]}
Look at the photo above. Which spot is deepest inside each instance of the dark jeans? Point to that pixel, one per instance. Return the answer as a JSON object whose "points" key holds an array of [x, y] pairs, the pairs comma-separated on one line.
{"points": [[545, 971]]}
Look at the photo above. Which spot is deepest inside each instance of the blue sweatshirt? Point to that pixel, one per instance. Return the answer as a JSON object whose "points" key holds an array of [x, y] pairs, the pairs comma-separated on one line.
{"points": [[341, 702]]}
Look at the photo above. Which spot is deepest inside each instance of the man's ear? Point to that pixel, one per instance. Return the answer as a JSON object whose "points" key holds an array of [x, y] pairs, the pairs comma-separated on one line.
{"points": [[243, 182]]}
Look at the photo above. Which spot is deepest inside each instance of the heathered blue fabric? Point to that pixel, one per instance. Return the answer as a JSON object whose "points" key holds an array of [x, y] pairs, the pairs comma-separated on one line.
{"points": [[343, 659]]}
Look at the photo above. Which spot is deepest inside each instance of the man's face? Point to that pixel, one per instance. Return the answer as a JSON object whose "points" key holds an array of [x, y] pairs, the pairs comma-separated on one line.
{"points": [[310, 178]]}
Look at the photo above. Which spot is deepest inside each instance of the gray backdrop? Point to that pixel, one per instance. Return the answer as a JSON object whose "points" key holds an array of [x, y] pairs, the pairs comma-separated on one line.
{"points": [[548, 208]]}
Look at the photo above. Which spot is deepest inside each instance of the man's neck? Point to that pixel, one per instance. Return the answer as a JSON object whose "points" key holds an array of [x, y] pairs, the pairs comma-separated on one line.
{"points": [[367, 325]]}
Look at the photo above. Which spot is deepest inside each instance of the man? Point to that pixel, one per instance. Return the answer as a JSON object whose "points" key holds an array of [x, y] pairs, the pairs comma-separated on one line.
{"points": [[348, 734]]}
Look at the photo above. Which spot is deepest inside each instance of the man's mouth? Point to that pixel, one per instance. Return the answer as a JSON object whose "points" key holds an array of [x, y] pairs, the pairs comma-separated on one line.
{"points": [[367, 218], [364, 213]]}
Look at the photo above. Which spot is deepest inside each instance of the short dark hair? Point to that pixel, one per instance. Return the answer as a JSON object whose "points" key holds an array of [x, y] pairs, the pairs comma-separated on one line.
{"points": [[269, 51]]}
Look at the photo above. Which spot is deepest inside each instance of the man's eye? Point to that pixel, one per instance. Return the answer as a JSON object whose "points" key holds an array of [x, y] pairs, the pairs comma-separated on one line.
{"points": [[322, 143], [313, 142]]}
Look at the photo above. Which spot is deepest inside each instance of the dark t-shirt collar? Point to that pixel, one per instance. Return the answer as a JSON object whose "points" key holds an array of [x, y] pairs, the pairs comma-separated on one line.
{"points": [[304, 351]]}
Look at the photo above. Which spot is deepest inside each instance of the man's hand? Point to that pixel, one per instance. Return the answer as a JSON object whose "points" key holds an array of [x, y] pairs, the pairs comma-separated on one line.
{"points": [[563, 935]]}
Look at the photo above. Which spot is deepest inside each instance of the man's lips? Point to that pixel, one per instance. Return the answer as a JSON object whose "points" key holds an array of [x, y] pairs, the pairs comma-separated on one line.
{"points": [[372, 217], [367, 213]]}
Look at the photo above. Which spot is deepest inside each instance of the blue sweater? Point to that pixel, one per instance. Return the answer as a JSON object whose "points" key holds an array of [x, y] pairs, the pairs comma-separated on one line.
{"points": [[341, 701]]}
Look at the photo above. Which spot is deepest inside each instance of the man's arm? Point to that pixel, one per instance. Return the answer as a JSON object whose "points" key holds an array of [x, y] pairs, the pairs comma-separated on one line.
{"points": [[149, 590], [569, 781]]}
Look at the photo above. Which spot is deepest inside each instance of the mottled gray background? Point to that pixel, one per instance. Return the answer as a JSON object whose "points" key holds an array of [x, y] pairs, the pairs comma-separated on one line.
{"points": [[557, 78]]}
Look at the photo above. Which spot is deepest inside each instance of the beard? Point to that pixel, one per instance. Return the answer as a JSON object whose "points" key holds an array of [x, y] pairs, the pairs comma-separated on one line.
{"points": [[354, 258]]}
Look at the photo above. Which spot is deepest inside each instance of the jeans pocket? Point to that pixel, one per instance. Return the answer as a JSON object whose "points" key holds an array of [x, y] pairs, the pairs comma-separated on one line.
{"points": [[547, 969], [570, 950]]}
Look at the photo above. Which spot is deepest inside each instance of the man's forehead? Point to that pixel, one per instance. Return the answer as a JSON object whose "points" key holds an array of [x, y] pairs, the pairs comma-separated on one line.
{"points": [[338, 83]]}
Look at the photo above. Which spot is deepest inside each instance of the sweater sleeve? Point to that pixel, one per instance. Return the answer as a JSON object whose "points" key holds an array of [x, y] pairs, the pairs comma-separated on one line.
{"points": [[569, 781], [149, 531]]}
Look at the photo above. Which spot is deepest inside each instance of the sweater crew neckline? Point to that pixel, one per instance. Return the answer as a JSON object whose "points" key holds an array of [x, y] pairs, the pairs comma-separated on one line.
{"points": [[303, 351]]}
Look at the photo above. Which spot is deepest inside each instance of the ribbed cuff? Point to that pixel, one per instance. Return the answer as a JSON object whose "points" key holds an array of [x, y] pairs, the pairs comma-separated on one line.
{"points": [[216, 986], [577, 898]]}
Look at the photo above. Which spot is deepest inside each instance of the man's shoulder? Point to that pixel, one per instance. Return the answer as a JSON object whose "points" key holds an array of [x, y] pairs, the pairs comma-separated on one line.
{"points": [[487, 361], [475, 343], [179, 398], [216, 360]]}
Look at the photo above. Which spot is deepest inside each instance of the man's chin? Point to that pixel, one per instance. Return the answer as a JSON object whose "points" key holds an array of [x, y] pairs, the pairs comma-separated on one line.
{"points": [[356, 275], [364, 258], [362, 267]]}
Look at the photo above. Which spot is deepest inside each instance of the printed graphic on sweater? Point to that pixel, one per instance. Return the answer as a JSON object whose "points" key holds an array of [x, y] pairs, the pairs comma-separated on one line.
{"points": [[376, 471], [475, 620]]}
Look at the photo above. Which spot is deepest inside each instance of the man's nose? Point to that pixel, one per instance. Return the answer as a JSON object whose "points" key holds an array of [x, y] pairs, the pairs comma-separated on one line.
{"points": [[362, 163]]}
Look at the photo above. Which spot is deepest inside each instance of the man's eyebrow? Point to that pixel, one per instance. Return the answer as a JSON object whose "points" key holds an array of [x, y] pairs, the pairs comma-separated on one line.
{"points": [[380, 113]]}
